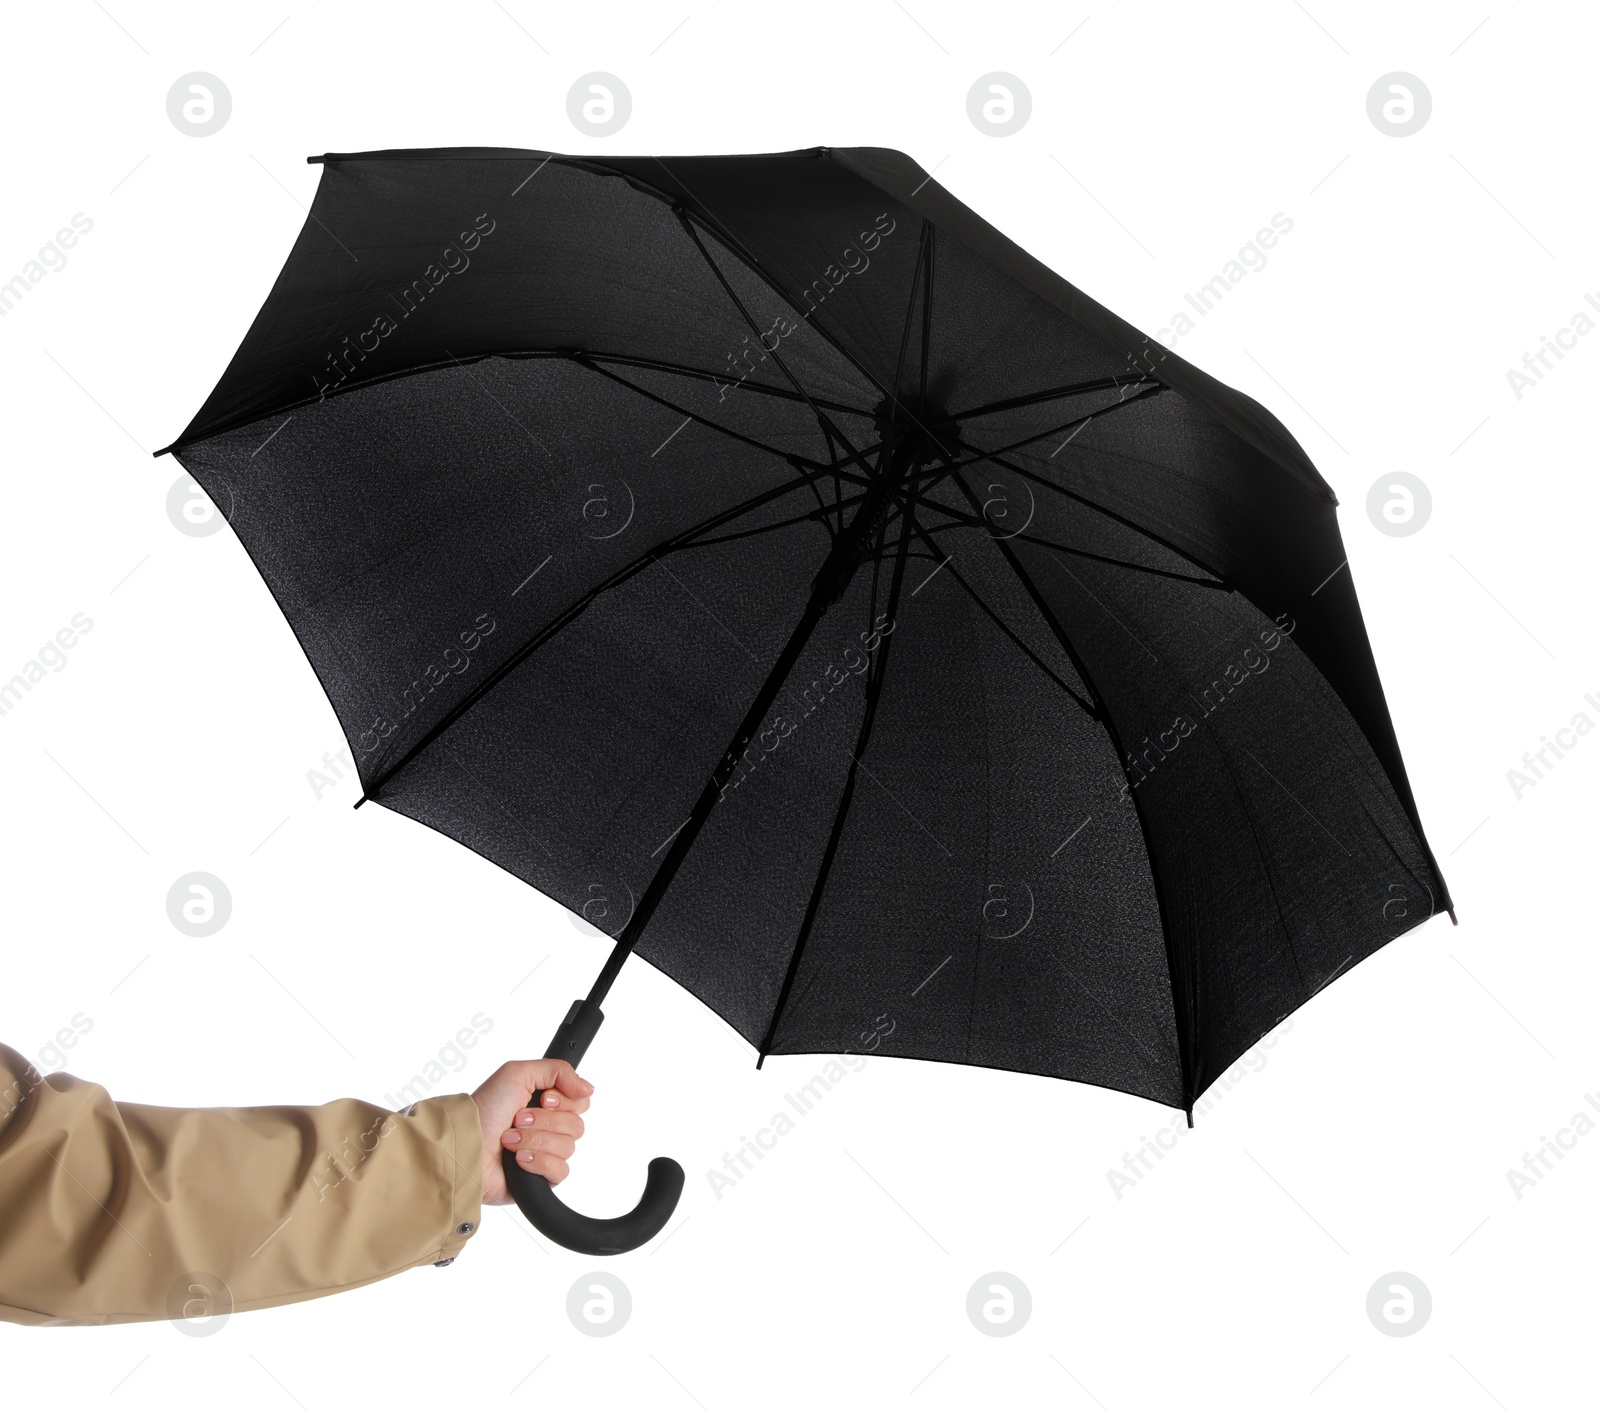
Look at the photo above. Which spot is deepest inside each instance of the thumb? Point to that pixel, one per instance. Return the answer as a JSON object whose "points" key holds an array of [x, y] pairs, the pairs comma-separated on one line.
{"points": [[536, 1075]]}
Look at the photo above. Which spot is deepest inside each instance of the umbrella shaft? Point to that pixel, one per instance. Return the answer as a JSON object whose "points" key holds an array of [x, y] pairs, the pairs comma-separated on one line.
{"points": [[850, 549], [685, 837]]}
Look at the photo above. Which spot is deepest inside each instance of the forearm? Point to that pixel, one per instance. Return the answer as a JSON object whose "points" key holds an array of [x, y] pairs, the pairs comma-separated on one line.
{"points": [[106, 1208]]}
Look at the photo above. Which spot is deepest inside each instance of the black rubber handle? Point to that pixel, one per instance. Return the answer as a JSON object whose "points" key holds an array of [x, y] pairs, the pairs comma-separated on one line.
{"points": [[549, 1214], [585, 1234]]}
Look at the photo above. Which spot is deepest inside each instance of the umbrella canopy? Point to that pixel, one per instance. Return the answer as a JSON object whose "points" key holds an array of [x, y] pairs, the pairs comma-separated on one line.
{"points": [[770, 561]]}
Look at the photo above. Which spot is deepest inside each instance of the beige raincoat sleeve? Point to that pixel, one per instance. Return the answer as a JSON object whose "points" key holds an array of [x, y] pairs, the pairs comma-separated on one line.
{"points": [[112, 1212]]}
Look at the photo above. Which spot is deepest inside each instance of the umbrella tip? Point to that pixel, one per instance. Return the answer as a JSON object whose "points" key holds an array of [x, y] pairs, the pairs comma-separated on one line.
{"points": [[1188, 1113], [1451, 912]]}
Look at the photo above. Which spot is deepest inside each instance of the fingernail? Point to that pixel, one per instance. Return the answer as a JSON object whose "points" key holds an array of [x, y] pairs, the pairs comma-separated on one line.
{"points": [[551, 1100], [588, 1087], [513, 1137], [524, 1119], [525, 1156]]}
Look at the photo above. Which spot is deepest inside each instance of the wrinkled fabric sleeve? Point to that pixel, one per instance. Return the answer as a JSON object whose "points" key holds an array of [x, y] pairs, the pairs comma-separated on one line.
{"points": [[115, 1212]]}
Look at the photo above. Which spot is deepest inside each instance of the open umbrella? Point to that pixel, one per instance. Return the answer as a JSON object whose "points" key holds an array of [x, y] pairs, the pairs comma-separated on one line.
{"points": [[771, 562]]}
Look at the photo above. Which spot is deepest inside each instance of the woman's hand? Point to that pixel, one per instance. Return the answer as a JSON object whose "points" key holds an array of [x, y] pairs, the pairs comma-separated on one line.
{"points": [[543, 1137]]}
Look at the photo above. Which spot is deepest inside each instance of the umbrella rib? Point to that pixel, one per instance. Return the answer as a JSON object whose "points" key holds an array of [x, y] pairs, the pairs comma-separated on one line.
{"points": [[911, 304], [832, 578], [794, 459], [736, 248], [967, 522], [722, 279], [994, 617], [1074, 389], [726, 237], [510, 355], [847, 795], [682, 540], [702, 375], [817, 516], [1101, 509], [1080, 422], [1262, 854], [927, 319], [1182, 1017], [838, 488], [1039, 603]]}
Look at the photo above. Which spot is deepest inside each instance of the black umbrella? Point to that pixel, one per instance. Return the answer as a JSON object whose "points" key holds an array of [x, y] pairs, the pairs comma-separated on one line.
{"points": [[771, 562]]}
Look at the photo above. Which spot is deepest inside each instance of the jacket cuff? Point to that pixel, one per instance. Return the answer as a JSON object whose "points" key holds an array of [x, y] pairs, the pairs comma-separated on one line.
{"points": [[461, 1140]]}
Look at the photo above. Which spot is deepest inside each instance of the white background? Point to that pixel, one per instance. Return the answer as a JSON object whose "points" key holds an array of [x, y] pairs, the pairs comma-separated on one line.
{"points": [[1374, 1135]]}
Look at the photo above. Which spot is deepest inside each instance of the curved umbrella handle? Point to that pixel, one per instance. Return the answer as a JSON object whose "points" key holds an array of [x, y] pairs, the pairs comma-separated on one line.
{"points": [[557, 1221], [549, 1214]]}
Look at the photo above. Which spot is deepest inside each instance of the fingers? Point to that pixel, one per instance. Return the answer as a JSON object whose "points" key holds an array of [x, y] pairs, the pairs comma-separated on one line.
{"points": [[552, 1074], [552, 1099], [531, 1123], [543, 1163], [532, 1141], [566, 1081], [544, 1140]]}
